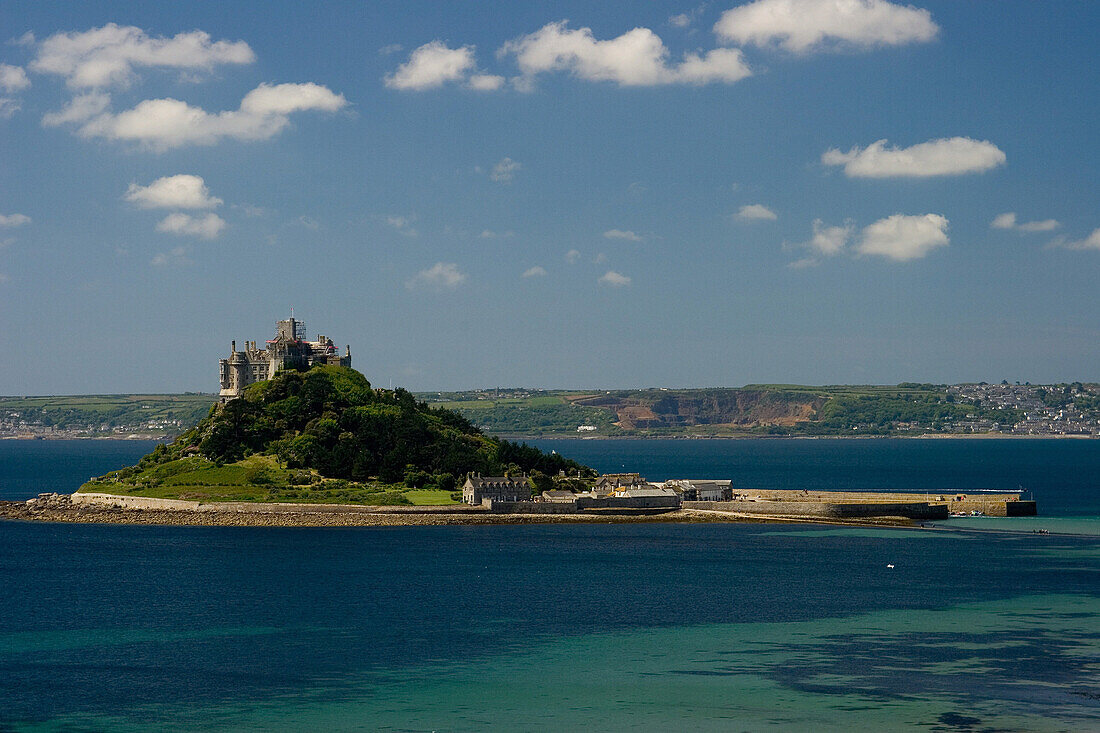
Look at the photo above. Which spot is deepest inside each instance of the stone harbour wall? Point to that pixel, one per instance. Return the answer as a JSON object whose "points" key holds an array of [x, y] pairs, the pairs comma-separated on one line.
{"points": [[853, 510], [149, 503]]}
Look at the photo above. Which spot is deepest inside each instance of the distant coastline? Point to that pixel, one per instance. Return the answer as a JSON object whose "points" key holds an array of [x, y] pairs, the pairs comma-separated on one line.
{"points": [[132, 436], [906, 410], [923, 436]]}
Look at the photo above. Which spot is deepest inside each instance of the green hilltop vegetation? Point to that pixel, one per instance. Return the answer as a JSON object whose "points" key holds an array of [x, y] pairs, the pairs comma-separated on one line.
{"points": [[325, 435]]}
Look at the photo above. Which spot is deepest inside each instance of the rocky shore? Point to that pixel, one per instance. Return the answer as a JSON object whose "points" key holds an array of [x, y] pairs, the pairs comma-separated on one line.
{"points": [[61, 508]]}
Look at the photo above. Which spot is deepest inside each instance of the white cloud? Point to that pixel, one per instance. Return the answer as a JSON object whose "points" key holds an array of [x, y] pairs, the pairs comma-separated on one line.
{"points": [[804, 262], [1008, 221], [535, 271], [108, 56], [600, 259], [13, 78], [685, 20], [14, 220], [826, 242], [490, 234], [756, 212], [903, 238], [177, 256], [636, 58], [162, 124], [829, 241], [801, 26], [943, 157], [573, 256], [440, 276], [8, 107], [485, 82], [390, 49], [403, 224], [206, 227], [432, 65], [614, 279], [1092, 241], [182, 191], [505, 170], [80, 108], [622, 234]]}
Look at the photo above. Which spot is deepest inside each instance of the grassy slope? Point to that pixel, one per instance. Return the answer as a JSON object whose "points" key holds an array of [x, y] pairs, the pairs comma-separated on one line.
{"points": [[256, 478]]}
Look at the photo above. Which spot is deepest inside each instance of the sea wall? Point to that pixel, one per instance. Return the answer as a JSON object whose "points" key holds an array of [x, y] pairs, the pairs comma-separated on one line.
{"points": [[851, 510], [990, 504], [149, 503]]}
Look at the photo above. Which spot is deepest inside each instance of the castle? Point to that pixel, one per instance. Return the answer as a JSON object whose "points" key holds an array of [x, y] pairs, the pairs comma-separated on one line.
{"points": [[288, 350]]}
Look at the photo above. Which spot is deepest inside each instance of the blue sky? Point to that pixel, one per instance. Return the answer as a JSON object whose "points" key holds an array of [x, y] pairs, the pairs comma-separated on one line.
{"points": [[551, 194]]}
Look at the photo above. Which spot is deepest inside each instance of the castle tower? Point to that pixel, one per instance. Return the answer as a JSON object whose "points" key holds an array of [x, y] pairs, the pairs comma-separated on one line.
{"points": [[290, 349]]}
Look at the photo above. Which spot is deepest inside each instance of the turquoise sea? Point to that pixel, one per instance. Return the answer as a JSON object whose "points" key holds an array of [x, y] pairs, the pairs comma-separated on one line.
{"points": [[980, 625]]}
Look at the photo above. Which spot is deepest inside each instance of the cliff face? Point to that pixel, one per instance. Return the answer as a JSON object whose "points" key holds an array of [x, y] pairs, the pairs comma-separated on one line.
{"points": [[733, 407]]}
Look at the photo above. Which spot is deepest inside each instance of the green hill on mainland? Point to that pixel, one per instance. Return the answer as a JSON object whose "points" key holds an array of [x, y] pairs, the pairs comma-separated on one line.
{"points": [[325, 435]]}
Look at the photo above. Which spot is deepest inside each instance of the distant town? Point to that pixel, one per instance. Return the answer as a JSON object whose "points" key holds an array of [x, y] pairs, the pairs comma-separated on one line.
{"points": [[907, 409]]}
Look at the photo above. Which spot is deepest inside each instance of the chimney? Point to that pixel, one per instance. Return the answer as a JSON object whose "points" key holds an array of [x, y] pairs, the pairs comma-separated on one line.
{"points": [[234, 342]]}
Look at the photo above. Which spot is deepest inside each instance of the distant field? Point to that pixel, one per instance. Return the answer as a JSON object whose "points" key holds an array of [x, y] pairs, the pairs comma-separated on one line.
{"points": [[478, 404], [851, 390], [112, 410]]}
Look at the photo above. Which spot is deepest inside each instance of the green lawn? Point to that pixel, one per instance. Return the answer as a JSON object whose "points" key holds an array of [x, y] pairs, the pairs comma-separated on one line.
{"points": [[428, 497]]}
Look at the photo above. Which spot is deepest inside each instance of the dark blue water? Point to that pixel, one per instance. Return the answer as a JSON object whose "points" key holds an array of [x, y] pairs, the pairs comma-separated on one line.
{"points": [[30, 467], [1062, 474], [607, 627]]}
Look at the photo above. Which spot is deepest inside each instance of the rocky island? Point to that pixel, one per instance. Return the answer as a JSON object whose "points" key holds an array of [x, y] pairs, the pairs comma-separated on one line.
{"points": [[298, 437]]}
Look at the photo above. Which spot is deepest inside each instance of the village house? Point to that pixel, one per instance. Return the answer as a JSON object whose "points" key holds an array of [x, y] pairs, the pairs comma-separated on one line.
{"points": [[613, 482], [649, 496], [559, 495], [478, 488], [702, 489]]}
